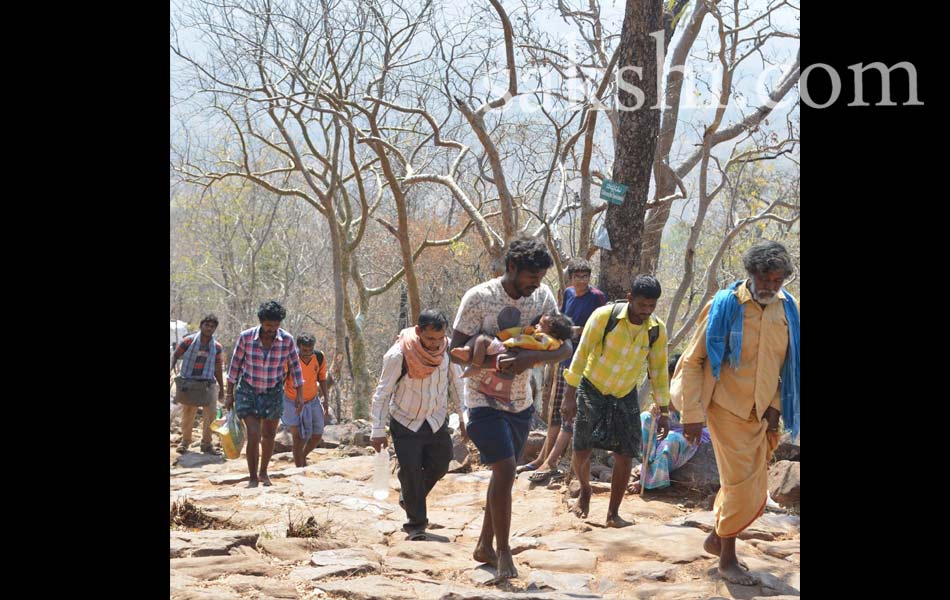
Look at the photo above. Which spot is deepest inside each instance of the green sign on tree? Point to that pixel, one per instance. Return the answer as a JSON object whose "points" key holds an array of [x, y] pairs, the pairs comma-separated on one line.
{"points": [[612, 192]]}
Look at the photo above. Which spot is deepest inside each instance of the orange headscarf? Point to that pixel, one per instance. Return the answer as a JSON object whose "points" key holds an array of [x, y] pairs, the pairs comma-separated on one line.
{"points": [[420, 361]]}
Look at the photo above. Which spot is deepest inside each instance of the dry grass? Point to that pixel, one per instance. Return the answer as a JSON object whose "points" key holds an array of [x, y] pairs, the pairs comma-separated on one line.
{"points": [[185, 515]]}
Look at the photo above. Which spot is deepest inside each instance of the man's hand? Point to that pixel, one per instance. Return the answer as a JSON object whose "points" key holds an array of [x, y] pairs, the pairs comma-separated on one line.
{"points": [[569, 404], [663, 427], [378, 443], [693, 432], [298, 405], [772, 416], [462, 431], [514, 362], [229, 399]]}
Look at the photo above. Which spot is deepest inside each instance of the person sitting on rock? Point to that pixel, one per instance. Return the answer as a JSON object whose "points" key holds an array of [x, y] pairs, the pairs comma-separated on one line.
{"points": [[666, 455]]}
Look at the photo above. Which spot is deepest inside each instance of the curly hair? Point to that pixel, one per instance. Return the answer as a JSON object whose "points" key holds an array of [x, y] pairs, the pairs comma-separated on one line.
{"points": [[209, 318], [765, 257], [528, 253], [271, 311]]}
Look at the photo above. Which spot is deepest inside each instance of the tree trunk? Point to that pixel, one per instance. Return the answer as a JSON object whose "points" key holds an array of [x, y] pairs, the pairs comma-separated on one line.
{"points": [[635, 146]]}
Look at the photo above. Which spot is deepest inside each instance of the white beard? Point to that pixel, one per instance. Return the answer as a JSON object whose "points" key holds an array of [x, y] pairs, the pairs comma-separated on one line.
{"points": [[761, 297]]}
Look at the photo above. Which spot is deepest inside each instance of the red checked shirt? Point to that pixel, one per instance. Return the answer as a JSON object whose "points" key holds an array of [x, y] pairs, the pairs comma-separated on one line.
{"points": [[264, 369]]}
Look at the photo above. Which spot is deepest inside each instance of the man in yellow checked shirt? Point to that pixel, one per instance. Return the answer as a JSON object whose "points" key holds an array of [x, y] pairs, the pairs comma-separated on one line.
{"points": [[617, 341]]}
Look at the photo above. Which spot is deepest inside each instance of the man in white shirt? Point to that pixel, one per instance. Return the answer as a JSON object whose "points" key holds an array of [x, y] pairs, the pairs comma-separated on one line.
{"points": [[416, 379], [499, 407]]}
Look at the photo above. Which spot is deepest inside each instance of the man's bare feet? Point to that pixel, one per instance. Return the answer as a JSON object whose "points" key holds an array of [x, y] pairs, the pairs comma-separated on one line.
{"points": [[252, 483], [735, 574], [582, 506], [617, 521], [713, 545], [505, 569], [265, 480], [462, 353], [485, 554]]}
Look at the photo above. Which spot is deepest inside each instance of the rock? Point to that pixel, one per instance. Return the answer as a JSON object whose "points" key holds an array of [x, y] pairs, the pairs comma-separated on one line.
{"points": [[767, 527], [369, 505], [644, 541], [346, 561], [565, 582], [325, 443], [283, 441], [209, 543], [430, 557], [649, 569], [787, 583], [639, 509], [356, 433], [212, 567], [461, 457], [378, 587], [357, 450], [481, 575], [787, 449], [457, 467], [519, 544], [459, 448], [191, 460], [700, 473], [574, 488], [387, 527], [782, 549], [596, 487], [532, 446], [694, 590], [785, 483], [356, 468], [319, 488], [296, 549], [216, 593], [261, 587], [228, 478], [577, 561]]}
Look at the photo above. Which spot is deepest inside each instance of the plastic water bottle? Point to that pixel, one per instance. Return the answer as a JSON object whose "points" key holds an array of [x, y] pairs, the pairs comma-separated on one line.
{"points": [[381, 475]]}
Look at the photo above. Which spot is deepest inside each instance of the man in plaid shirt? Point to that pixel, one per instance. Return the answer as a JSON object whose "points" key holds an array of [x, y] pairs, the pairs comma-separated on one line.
{"points": [[261, 357]]}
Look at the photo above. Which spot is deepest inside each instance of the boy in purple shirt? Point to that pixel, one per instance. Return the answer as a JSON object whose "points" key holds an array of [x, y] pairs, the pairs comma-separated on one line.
{"points": [[579, 302]]}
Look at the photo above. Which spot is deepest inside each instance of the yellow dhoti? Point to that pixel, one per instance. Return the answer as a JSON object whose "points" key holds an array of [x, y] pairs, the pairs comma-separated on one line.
{"points": [[742, 452]]}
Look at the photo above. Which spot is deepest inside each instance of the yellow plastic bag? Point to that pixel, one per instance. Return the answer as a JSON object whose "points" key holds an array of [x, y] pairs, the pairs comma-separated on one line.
{"points": [[233, 434]]}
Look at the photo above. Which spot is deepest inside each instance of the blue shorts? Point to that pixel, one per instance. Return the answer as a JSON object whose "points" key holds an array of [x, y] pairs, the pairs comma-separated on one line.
{"points": [[498, 434], [290, 418]]}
